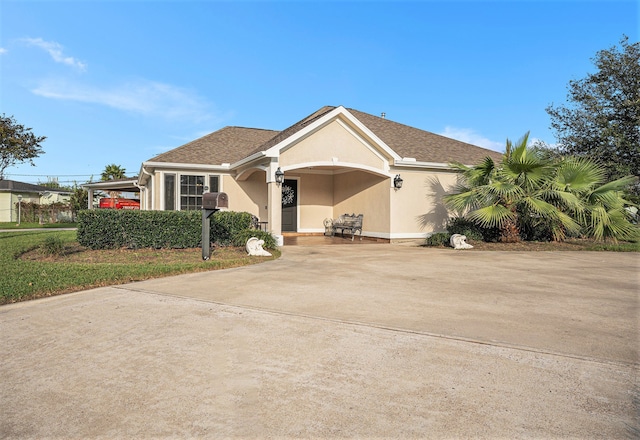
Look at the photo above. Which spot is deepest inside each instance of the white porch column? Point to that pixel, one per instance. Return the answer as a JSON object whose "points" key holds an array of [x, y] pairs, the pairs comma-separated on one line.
{"points": [[274, 211], [89, 199], [274, 203]]}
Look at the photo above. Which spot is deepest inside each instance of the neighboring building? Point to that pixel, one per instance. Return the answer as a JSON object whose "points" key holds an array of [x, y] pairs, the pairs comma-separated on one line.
{"points": [[334, 161], [10, 190]]}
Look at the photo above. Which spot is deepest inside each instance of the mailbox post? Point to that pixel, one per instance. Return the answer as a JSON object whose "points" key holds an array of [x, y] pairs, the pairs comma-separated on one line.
{"points": [[211, 202]]}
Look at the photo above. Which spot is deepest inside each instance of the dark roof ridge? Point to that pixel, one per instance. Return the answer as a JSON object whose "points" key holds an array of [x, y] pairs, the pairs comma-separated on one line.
{"points": [[14, 185], [243, 128]]}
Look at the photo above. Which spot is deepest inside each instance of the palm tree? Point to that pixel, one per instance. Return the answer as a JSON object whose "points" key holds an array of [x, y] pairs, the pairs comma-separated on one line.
{"points": [[601, 208], [511, 195], [529, 190], [113, 172]]}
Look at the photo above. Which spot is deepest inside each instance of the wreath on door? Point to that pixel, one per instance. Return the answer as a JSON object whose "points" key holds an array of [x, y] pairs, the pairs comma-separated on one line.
{"points": [[288, 195]]}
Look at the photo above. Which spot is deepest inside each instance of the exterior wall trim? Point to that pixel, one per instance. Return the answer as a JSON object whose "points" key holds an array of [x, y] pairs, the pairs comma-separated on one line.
{"points": [[373, 170]]}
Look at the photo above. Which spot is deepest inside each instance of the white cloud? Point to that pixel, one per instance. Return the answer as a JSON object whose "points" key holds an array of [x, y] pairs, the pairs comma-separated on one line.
{"points": [[533, 141], [55, 51], [470, 136], [143, 97], [3, 50]]}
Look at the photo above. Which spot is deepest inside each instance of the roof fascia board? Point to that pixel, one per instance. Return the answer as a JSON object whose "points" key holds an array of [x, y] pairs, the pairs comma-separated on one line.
{"points": [[123, 184], [187, 166], [415, 164], [255, 156]]}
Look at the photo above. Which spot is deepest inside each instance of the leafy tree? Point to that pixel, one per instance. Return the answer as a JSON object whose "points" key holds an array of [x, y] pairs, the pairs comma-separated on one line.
{"points": [[530, 192], [17, 144], [601, 120], [78, 200], [113, 172]]}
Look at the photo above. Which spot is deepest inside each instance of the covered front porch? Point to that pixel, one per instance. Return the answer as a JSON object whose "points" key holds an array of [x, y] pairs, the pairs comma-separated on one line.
{"points": [[305, 198]]}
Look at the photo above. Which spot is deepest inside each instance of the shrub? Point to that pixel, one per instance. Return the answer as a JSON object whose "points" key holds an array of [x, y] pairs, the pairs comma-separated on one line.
{"points": [[224, 224], [536, 230], [462, 226], [111, 229], [438, 239], [52, 245], [240, 238]]}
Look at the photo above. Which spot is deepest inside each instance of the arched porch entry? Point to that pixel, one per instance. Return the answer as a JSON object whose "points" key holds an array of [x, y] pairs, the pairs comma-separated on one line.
{"points": [[312, 194]]}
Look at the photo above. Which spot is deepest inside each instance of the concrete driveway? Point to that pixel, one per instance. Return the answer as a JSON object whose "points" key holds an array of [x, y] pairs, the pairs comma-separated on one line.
{"points": [[335, 342]]}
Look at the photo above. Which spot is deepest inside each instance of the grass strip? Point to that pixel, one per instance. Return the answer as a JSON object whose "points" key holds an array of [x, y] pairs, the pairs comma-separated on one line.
{"points": [[28, 279], [25, 225]]}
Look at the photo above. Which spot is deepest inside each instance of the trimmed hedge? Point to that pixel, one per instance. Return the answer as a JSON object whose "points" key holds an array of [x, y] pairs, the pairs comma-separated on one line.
{"points": [[112, 229], [240, 238], [224, 224]]}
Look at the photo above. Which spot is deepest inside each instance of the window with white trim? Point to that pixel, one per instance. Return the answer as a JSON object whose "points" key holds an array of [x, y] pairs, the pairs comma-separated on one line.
{"points": [[191, 189], [169, 192], [214, 184]]}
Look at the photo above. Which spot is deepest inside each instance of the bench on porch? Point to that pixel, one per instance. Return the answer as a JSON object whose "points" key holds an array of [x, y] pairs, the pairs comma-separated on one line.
{"points": [[351, 223], [257, 224]]}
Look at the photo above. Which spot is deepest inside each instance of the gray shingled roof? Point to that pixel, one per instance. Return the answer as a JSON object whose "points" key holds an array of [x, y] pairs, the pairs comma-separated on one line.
{"points": [[227, 145], [422, 145], [14, 186], [231, 144]]}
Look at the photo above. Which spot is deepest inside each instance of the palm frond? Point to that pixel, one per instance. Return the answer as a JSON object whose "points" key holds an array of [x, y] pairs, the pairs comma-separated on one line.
{"points": [[612, 224], [579, 175], [616, 185], [491, 216], [505, 190]]}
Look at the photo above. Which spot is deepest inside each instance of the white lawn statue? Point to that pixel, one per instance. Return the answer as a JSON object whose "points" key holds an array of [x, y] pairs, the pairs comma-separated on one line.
{"points": [[459, 241], [254, 248]]}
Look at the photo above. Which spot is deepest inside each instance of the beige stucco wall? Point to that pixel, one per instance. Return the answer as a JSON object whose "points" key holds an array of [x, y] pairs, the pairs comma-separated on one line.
{"points": [[333, 141], [357, 192], [157, 190], [418, 207], [248, 195], [315, 201], [6, 207]]}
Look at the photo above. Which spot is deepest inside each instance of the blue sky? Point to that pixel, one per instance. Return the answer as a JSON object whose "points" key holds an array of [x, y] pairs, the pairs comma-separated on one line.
{"points": [[122, 81]]}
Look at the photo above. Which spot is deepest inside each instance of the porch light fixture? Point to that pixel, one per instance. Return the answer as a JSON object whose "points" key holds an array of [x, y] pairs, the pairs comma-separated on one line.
{"points": [[397, 182], [279, 176]]}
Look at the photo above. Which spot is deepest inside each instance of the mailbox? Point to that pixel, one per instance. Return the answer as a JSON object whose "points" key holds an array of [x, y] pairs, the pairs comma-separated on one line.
{"points": [[211, 202], [215, 201]]}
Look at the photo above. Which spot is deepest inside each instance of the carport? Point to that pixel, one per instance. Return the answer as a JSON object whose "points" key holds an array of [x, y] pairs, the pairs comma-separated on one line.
{"points": [[129, 184]]}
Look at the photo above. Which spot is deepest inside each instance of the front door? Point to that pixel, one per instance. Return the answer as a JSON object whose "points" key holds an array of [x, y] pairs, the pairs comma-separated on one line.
{"points": [[289, 205]]}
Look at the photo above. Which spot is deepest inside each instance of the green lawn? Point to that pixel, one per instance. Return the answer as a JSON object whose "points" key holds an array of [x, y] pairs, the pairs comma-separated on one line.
{"points": [[27, 279], [24, 225]]}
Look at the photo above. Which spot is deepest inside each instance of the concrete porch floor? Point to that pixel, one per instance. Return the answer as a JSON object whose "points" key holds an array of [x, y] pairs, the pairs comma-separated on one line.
{"points": [[295, 239]]}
